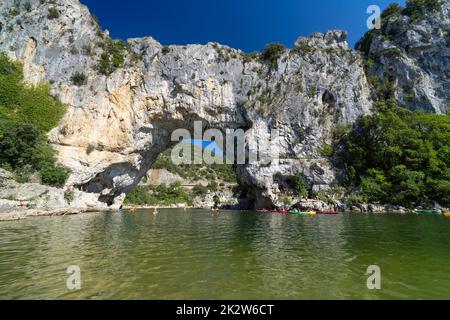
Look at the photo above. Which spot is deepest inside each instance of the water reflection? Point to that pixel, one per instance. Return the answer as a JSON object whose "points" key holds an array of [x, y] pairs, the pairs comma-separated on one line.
{"points": [[234, 255]]}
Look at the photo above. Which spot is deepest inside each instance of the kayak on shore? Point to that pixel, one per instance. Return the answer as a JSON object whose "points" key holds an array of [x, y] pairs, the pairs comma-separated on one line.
{"points": [[432, 211], [446, 214]]}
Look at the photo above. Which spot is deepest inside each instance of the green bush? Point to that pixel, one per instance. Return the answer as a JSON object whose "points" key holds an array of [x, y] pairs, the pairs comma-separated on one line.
{"points": [[416, 9], [303, 48], [53, 13], [69, 196], [162, 195], [79, 79], [326, 150], [165, 50], [27, 113], [54, 175], [26, 104], [393, 10], [272, 52], [399, 157], [253, 56], [89, 149], [300, 186], [17, 143], [113, 56]]}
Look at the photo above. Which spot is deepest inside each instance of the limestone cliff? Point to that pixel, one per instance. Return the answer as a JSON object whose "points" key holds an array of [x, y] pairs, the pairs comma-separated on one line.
{"points": [[118, 123], [411, 56]]}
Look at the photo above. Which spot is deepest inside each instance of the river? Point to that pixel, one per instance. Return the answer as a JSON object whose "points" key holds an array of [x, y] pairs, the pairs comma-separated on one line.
{"points": [[235, 255]]}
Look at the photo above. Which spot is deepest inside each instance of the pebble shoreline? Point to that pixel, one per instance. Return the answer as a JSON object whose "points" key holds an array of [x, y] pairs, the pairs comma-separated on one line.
{"points": [[21, 214]]}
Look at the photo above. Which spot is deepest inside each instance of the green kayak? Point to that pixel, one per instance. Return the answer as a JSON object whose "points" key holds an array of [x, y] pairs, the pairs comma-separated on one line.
{"points": [[434, 211], [309, 213]]}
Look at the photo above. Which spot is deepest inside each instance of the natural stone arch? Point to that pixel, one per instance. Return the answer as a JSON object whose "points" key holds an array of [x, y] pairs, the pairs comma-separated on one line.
{"points": [[106, 183]]}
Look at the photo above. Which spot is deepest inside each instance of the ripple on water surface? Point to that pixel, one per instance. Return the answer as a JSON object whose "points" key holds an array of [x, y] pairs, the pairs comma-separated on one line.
{"points": [[235, 255]]}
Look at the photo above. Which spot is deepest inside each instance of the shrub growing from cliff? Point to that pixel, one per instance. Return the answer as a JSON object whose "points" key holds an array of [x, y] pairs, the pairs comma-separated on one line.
{"points": [[325, 150], [53, 13], [79, 79], [416, 9], [113, 56], [400, 157], [27, 113], [393, 10], [300, 186], [272, 52], [162, 195]]}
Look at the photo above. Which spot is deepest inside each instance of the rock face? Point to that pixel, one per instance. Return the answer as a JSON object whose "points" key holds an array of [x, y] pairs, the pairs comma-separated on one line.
{"points": [[412, 57], [156, 177], [127, 117], [15, 195]]}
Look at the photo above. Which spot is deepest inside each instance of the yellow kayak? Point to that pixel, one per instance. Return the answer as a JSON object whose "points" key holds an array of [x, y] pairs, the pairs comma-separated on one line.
{"points": [[446, 214], [303, 212]]}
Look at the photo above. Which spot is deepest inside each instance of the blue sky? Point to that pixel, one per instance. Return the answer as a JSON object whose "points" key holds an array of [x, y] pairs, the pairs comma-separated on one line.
{"points": [[245, 24]]}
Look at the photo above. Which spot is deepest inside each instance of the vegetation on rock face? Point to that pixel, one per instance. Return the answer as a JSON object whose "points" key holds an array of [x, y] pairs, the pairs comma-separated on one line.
{"points": [[113, 56], [79, 79], [326, 150], [27, 113], [415, 9], [400, 157], [53, 13], [165, 50], [69, 196], [300, 186], [195, 172], [159, 195], [393, 10], [272, 52]]}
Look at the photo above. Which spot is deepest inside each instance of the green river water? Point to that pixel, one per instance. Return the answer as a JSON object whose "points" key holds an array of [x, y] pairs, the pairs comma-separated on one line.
{"points": [[235, 255]]}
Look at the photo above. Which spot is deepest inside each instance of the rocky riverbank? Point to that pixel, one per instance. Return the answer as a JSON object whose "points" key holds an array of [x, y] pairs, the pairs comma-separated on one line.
{"points": [[24, 213], [20, 214], [23, 200]]}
